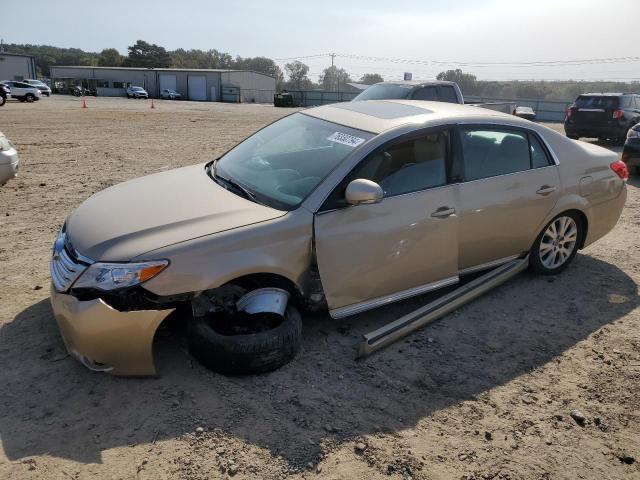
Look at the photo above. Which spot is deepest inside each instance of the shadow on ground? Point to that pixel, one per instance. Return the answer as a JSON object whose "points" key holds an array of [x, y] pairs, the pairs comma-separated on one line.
{"points": [[52, 405]]}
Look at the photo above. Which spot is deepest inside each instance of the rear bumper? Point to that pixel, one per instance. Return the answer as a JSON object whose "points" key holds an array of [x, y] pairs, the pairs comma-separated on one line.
{"points": [[105, 339], [595, 131]]}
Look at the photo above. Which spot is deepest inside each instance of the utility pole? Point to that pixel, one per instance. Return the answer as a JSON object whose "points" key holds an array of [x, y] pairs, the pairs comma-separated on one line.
{"points": [[332, 55]]}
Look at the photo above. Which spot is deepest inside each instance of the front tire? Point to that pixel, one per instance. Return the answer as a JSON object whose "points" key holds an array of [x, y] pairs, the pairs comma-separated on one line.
{"points": [[3, 100], [248, 353], [557, 244]]}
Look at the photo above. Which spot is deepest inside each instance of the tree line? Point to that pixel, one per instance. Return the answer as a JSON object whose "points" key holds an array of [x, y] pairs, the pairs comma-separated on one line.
{"points": [[148, 55]]}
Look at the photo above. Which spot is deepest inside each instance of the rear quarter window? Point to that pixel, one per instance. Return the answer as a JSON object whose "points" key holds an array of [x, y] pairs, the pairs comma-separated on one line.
{"points": [[448, 94]]}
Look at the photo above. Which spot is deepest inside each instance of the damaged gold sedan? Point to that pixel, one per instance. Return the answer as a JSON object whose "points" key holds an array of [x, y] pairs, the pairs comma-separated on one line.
{"points": [[345, 207]]}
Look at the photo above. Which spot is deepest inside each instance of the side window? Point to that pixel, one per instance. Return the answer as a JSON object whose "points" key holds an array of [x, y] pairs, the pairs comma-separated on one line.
{"points": [[425, 93], [448, 94], [489, 153], [402, 167], [539, 156]]}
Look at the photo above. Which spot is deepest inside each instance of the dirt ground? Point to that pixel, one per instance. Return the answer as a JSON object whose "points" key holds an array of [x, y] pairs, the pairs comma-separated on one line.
{"points": [[487, 392]]}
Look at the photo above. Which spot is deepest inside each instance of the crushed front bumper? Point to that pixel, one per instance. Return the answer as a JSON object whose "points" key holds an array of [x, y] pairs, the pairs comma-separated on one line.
{"points": [[105, 339]]}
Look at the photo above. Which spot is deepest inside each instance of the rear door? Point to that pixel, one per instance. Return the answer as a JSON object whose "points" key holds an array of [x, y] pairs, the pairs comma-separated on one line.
{"points": [[594, 110], [511, 183], [370, 255]]}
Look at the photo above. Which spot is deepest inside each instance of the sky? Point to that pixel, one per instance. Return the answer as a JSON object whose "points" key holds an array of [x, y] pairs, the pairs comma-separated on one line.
{"points": [[422, 37]]}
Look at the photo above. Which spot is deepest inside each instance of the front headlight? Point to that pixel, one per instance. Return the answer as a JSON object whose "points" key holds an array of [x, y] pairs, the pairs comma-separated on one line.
{"points": [[111, 276], [5, 144]]}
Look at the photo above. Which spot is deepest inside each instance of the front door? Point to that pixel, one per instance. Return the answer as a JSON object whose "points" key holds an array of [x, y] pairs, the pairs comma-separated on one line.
{"points": [[407, 244], [510, 185]]}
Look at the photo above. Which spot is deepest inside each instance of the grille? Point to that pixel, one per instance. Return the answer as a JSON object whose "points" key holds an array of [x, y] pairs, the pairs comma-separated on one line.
{"points": [[65, 267]]}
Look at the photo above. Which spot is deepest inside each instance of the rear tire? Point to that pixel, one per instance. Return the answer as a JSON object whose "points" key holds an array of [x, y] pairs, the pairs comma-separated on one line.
{"points": [[247, 353], [3, 100], [557, 244], [573, 137]]}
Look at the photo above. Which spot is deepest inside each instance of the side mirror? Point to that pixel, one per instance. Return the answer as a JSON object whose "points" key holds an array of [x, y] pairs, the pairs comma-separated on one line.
{"points": [[361, 191]]}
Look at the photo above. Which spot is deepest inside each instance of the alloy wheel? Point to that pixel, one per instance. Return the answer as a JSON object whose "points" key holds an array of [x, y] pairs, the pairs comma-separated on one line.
{"points": [[558, 242]]}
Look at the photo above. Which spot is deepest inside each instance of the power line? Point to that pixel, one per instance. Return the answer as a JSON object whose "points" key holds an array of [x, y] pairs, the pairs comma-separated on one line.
{"points": [[410, 61]]}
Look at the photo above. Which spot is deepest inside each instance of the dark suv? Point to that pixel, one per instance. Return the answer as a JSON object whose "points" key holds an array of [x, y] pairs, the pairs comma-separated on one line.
{"points": [[602, 115], [435, 90]]}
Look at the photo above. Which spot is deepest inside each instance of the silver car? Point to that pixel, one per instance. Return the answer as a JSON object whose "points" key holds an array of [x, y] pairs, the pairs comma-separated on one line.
{"points": [[8, 160]]}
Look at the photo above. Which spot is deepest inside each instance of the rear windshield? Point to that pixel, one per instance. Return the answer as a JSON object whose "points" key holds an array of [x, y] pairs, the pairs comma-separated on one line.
{"points": [[385, 92], [597, 101]]}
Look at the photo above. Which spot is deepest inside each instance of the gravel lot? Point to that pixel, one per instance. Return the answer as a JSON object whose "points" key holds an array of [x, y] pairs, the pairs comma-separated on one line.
{"points": [[487, 392]]}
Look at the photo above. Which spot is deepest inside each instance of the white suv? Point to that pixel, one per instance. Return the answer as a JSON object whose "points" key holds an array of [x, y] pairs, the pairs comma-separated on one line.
{"points": [[43, 87], [23, 91]]}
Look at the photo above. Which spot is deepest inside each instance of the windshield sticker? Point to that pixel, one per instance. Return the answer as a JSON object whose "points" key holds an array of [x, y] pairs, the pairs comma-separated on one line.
{"points": [[345, 139]]}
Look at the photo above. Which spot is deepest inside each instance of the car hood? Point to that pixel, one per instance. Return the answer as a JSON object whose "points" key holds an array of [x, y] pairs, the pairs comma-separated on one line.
{"points": [[135, 217]]}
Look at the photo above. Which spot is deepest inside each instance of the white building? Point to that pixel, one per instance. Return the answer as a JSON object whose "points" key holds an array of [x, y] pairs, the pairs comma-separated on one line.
{"points": [[193, 84]]}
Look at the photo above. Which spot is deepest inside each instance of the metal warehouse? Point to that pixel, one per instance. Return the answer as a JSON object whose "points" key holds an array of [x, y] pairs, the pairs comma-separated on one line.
{"points": [[15, 66], [212, 85]]}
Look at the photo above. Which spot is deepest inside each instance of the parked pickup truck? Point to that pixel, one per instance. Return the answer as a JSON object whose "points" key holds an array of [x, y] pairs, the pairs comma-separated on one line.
{"points": [[432, 90]]}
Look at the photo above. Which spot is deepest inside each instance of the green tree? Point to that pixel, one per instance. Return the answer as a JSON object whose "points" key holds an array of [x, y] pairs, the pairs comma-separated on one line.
{"points": [[466, 81], [147, 55], [110, 57], [333, 77], [297, 73], [371, 78]]}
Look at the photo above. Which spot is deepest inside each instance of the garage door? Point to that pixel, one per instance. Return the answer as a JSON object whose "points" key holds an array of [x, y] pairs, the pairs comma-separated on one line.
{"points": [[197, 87], [167, 82]]}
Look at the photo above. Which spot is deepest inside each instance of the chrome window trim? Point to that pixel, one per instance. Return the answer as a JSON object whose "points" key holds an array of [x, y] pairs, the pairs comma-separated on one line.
{"points": [[415, 192], [354, 308], [505, 175]]}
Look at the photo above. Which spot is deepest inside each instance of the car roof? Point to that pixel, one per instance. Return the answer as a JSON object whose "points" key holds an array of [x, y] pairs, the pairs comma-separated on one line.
{"points": [[417, 82], [605, 94], [377, 116]]}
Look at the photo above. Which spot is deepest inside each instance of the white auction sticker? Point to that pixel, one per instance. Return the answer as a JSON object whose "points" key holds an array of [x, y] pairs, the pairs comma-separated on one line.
{"points": [[345, 139]]}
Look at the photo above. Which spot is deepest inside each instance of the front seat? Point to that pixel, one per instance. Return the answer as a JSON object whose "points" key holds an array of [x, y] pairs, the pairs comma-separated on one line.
{"points": [[427, 171]]}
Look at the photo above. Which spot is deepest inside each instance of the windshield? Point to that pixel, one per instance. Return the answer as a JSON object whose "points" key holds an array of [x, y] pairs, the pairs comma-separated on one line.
{"points": [[597, 101], [382, 91], [137, 89], [283, 163]]}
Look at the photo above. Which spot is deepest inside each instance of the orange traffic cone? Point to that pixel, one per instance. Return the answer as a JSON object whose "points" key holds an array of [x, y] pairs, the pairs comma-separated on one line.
{"points": [[84, 102], [152, 103]]}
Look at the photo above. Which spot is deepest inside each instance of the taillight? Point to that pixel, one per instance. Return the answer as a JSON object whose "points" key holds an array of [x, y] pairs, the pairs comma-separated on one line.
{"points": [[568, 111], [633, 133], [618, 114], [621, 169]]}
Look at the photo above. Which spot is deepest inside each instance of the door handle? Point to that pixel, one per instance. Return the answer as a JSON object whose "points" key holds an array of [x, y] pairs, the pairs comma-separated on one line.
{"points": [[443, 212], [546, 190]]}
